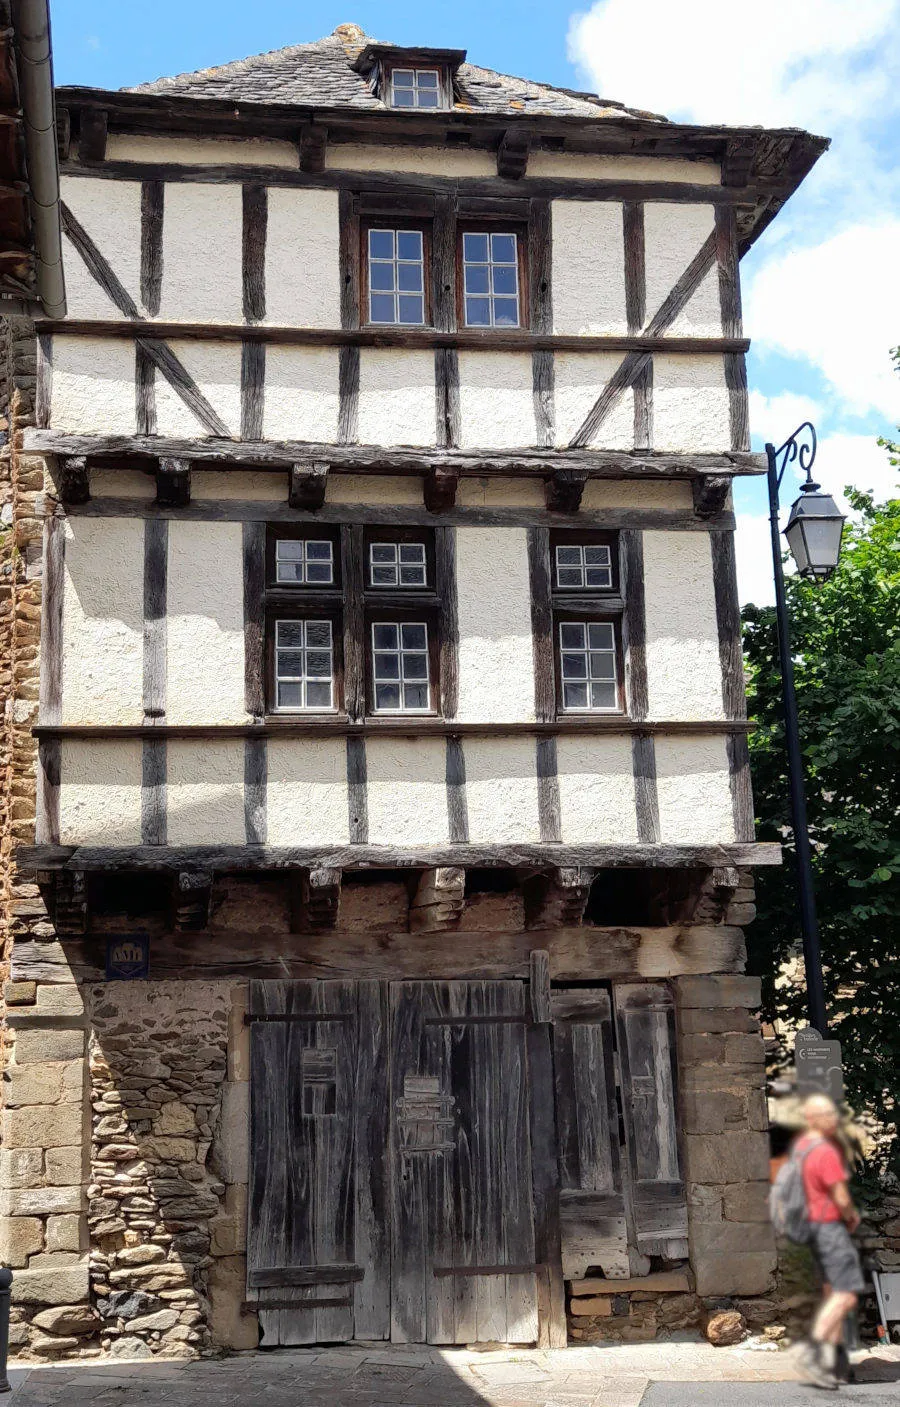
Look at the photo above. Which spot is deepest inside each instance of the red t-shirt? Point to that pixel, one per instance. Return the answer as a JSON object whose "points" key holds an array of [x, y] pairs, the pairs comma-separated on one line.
{"points": [[823, 1168]]}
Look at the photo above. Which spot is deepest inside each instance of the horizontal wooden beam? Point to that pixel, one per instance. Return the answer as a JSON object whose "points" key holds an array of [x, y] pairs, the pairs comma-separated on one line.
{"points": [[235, 510], [395, 459], [299, 726], [574, 954], [225, 858], [424, 338]]}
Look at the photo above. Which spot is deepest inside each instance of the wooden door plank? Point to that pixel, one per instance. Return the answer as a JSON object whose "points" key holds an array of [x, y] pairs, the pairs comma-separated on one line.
{"points": [[409, 1211], [297, 1326], [490, 1290], [517, 1210], [552, 1332], [334, 1194], [268, 1142], [372, 1296], [441, 1172]]}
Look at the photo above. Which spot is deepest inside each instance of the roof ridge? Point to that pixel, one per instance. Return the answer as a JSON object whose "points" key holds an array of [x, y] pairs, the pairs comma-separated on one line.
{"points": [[241, 65]]}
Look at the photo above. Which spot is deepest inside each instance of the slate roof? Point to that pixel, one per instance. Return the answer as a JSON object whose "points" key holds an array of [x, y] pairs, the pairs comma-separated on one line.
{"points": [[320, 75]]}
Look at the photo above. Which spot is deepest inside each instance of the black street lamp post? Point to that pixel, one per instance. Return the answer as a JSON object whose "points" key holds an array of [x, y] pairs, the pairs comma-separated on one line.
{"points": [[814, 537]]}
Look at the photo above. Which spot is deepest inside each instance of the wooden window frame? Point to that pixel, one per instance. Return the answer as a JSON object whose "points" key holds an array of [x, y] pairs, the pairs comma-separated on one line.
{"points": [[445, 84], [295, 601], [486, 222], [587, 604], [390, 221]]}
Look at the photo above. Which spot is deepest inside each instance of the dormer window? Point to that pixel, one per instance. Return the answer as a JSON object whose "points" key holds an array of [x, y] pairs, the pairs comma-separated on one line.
{"points": [[415, 88]]}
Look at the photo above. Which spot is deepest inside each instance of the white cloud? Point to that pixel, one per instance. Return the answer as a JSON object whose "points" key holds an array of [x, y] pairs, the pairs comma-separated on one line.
{"points": [[838, 306], [782, 62]]}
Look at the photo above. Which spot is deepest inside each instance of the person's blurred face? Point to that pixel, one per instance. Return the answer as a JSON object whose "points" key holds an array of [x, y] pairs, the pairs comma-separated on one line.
{"points": [[821, 1115]]}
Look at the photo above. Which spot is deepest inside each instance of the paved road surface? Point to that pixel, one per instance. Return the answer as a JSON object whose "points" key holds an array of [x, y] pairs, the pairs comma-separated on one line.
{"points": [[678, 1374]]}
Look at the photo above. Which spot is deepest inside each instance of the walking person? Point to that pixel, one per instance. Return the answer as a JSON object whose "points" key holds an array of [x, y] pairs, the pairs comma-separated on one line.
{"points": [[832, 1219]]}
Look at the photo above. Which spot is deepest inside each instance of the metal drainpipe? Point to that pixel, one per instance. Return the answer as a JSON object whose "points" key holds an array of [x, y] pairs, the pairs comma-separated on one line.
{"points": [[39, 116]]}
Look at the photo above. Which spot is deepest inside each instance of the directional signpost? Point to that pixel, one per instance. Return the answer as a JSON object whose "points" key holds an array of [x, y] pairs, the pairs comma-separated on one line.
{"points": [[817, 1065]]}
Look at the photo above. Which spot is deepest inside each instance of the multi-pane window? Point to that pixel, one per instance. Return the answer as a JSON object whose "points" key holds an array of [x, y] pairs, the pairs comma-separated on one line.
{"points": [[304, 664], [416, 87], [490, 279], [583, 566], [400, 676], [587, 654], [397, 564], [397, 277], [304, 562]]}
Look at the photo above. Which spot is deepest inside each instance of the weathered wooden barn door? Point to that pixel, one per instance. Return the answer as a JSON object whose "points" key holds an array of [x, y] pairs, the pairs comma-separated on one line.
{"points": [[593, 1224], [318, 1252], [463, 1227], [622, 1195], [645, 1021]]}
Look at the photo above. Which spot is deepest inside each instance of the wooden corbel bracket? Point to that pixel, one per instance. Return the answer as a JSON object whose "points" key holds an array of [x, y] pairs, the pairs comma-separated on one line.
{"points": [[74, 480], [173, 483], [439, 489], [313, 144], [307, 486], [512, 155], [710, 494], [563, 490]]}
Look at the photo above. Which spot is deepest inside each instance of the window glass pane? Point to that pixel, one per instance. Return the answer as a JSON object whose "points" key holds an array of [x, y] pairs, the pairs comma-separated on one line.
{"points": [[571, 634], [381, 307], [290, 695], [383, 552], [289, 549], [412, 552], [478, 278], [412, 576], [415, 666], [427, 78], [415, 696], [289, 632], [597, 576], [426, 98], [505, 279], [387, 666], [597, 556], [318, 634], [478, 312], [318, 662], [384, 576], [381, 277], [414, 637], [290, 664], [603, 696], [404, 77], [503, 248], [318, 695], [412, 309], [574, 666], [381, 244], [404, 97], [387, 696], [575, 695], [601, 636], [318, 573], [409, 244], [568, 555], [475, 248], [569, 576], [603, 665], [318, 551], [506, 312], [385, 637], [409, 278]]}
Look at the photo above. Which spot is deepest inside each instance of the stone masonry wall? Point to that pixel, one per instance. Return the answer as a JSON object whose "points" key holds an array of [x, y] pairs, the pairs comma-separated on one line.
{"points": [[161, 1102]]}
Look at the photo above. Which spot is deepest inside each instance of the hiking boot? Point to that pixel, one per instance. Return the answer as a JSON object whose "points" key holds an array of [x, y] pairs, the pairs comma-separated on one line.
{"points": [[812, 1367]]}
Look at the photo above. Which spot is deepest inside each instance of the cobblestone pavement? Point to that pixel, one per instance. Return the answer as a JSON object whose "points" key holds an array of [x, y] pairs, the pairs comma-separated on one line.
{"points": [[678, 1374]]}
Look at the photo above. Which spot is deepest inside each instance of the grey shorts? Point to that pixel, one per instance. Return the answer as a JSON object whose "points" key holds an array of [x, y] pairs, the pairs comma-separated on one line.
{"points": [[838, 1258]]}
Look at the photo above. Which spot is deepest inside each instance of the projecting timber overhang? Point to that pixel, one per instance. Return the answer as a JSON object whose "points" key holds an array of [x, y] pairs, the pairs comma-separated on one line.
{"points": [[760, 168]]}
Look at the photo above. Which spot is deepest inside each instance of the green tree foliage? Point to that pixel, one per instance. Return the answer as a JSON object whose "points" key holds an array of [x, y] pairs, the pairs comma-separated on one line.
{"points": [[846, 647]]}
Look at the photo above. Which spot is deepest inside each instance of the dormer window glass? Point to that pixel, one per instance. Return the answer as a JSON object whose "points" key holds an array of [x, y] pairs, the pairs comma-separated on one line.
{"points": [[491, 279], [396, 267], [416, 88]]}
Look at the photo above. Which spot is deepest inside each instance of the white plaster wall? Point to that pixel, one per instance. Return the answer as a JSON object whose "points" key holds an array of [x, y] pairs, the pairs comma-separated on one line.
{"points": [[103, 621], [690, 404], [236, 484], [424, 161], [596, 790], [92, 390], [301, 398], [673, 235], [205, 792], [396, 397], [496, 401], [684, 677], [500, 493], [403, 489], [202, 151], [496, 661], [216, 369], [110, 212], [407, 791], [579, 379], [122, 483], [302, 258], [694, 791], [202, 262], [584, 166], [306, 796], [588, 267], [501, 790], [205, 625], [636, 493], [100, 792]]}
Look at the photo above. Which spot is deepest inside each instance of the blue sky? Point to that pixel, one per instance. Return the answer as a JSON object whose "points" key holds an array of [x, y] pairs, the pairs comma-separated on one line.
{"points": [[822, 289]]}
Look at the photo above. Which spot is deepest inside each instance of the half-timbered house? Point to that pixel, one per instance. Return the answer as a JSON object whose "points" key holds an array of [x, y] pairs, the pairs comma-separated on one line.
{"points": [[391, 733]]}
